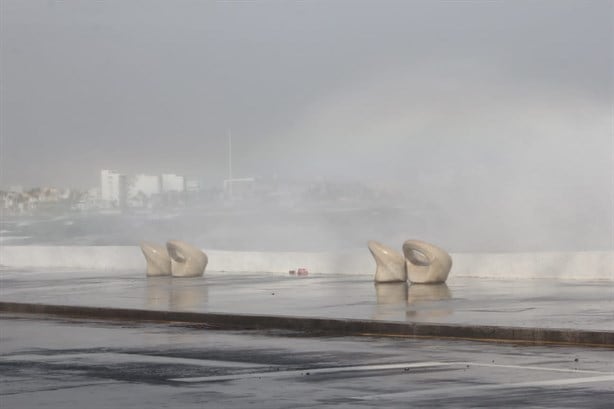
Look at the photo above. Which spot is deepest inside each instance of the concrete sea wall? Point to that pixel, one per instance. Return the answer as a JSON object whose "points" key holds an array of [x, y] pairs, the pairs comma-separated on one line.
{"points": [[585, 265]]}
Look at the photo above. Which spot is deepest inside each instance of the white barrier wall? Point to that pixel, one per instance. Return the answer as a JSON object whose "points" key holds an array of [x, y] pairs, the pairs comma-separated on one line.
{"points": [[588, 265]]}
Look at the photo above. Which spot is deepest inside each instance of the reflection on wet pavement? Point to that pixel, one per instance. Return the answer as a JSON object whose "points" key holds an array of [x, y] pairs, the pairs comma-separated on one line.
{"points": [[164, 293], [428, 292], [391, 293], [417, 301], [423, 300]]}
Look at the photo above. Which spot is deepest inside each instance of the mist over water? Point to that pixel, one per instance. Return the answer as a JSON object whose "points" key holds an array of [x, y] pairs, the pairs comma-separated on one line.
{"points": [[304, 230], [478, 126]]}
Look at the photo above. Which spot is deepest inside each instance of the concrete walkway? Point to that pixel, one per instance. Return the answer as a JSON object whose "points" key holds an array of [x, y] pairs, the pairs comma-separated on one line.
{"points": [[537, 304]]}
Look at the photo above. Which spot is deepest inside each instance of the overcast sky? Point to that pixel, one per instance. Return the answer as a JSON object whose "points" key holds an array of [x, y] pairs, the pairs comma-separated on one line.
{"points": [[504, 105], [320, 89]]}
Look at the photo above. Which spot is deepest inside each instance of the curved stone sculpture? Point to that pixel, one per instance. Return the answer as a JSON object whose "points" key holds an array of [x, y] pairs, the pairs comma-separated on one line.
{"points": [[390, 264], [426, 263], [158, 260], [186, 260]]}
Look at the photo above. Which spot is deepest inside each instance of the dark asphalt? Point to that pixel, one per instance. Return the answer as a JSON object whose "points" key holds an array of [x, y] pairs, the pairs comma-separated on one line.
{"points": [[89, 364]]}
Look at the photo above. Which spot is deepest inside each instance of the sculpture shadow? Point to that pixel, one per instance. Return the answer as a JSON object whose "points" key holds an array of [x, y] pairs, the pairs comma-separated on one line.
{"points": [[391, 293], [411, 302], [391, 300], [424, 301], [168, 294]]}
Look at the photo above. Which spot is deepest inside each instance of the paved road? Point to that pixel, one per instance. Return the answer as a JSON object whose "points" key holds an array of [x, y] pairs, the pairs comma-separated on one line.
{"points": [[76, 364]]}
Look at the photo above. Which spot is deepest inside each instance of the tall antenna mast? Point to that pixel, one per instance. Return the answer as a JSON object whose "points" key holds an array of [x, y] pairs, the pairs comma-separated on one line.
{"points": [[229, 163]]}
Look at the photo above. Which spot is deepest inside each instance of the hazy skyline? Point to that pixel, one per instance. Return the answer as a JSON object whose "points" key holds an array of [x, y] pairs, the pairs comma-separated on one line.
{"points": [[498, 110]]}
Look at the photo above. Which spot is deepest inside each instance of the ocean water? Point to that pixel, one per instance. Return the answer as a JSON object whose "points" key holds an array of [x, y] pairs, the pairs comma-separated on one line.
{"points": [[302, 230], [236, 229]]}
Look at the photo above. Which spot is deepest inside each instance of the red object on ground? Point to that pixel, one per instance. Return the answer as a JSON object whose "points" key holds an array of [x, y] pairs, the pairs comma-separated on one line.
{"points": [[302, 271]]}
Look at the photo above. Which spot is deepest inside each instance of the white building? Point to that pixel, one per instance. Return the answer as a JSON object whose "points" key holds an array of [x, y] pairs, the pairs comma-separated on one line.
{"points": [[112, 188], [172, 183], [141, 188], [146, 185]]}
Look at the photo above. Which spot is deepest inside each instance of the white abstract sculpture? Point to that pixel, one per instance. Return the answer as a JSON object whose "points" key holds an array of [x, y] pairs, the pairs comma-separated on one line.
{"points": [[186, 260], [426, 263], [158, 260], [390, 264]]}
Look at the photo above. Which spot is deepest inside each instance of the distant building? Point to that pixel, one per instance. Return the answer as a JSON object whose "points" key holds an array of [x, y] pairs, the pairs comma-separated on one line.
{"points": [[112, 188], [172, 183], [144, 184], [39, 200], [141, 188]]}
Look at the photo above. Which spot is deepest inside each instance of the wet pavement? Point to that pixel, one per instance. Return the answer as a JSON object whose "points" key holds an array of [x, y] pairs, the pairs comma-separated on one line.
{"points": [[466, 301], [75, 364]]}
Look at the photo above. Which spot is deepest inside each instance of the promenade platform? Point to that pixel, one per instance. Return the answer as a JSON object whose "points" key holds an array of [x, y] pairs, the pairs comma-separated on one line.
{"points": [[510, 310]]}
